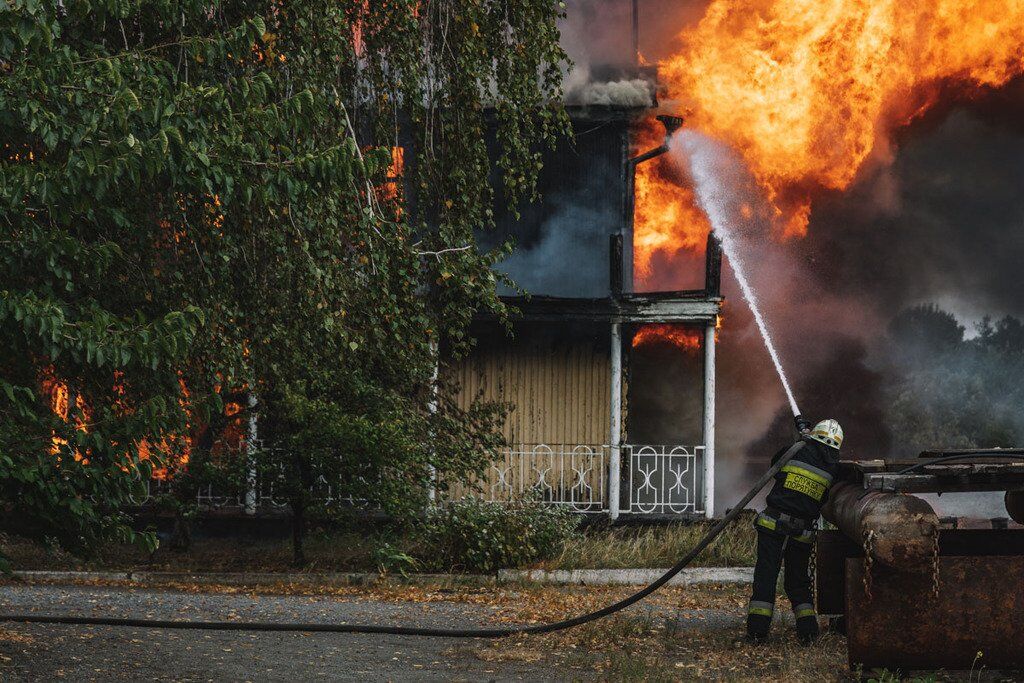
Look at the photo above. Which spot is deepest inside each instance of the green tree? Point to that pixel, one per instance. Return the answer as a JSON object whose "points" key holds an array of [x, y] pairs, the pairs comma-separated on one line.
{"points": [[202, 196], [948, 392], [924, 331]]}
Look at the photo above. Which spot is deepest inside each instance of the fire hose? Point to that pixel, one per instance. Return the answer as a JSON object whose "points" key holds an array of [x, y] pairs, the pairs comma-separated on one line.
{"points": [[708, 538], [470, 633]]}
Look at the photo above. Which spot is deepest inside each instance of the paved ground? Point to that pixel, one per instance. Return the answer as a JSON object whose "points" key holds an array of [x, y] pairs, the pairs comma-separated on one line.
{"points": [[33, 652]]}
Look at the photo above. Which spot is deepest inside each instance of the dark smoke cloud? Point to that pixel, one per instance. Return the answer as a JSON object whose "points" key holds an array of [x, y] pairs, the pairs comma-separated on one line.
{"points": [[842, 385], [943, 222]]}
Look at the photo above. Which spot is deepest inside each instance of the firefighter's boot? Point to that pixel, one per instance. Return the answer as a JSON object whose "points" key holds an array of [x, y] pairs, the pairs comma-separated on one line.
{"points": [[757, 628], [807, 629]]}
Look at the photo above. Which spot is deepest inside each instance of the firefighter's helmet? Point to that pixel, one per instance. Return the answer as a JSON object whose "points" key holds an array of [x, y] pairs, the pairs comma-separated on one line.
{"points": [[829, 433]]}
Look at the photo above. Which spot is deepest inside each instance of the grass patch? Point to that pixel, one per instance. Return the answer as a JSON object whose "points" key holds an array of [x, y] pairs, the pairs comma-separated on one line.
{"points": [[657, 546], [371, 551], [326, 552]]}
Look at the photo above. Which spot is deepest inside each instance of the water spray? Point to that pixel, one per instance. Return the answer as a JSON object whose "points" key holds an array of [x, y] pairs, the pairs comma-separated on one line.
{"points": [[748, 294], [711, 169]]}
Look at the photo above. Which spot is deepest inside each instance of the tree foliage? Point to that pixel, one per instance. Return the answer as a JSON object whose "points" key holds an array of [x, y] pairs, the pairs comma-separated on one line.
{"points": [[948, 391], [204, 196]]}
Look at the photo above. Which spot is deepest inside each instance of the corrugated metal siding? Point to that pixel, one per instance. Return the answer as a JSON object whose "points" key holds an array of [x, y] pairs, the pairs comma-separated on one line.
{"points": [[559, 392]]}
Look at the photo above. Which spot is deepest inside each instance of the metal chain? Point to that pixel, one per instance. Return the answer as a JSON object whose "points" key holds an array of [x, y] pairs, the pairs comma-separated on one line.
{"points": [[813, 570], [935, 563], [812, 566], [869, 538]]}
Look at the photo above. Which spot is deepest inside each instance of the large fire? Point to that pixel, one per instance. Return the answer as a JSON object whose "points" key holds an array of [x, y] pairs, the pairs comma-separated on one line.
{"points": [[666, 219], [680, 336], [807, 91]]}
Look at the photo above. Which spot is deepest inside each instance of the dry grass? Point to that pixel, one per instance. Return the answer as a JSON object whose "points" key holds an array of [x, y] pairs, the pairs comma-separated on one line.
{"points": [[657, 643], [658, 546], [339, 552], [613, 548]]}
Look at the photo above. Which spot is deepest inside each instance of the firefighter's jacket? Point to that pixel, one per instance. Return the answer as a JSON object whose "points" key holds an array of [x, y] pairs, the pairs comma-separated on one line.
{"points": [[801, 486]]}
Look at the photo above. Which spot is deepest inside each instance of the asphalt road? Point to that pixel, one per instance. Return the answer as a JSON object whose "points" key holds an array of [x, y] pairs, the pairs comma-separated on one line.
{"points": [[39, 652]]}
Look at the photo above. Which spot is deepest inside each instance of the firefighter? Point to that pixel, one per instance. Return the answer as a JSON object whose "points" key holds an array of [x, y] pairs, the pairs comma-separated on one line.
{"points": [[785, 529]]}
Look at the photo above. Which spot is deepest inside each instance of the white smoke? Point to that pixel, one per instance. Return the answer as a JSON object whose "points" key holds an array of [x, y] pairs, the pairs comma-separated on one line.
{"points": [[580, 90], [717, 171], [597, 37]]}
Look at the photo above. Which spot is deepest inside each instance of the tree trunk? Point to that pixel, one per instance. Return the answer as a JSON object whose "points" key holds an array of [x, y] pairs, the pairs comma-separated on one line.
{"points": [[185, 489], [298, 534], [181, 534], [299, 508]]}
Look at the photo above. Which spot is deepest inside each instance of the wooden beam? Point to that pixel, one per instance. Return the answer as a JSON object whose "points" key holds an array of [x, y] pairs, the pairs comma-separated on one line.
{"points": [[951, 482]]}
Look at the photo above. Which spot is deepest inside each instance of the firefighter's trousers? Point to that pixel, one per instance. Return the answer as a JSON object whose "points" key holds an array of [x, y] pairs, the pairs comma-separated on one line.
{"points": [[773, 549]]}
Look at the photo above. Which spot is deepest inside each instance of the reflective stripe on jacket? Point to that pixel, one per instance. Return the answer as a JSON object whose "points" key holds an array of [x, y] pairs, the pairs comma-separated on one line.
{"points": [[801, 486]]}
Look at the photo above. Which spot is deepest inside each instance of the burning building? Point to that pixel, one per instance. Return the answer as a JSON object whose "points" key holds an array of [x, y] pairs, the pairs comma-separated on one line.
{"points": [[608, 373], [840, 118]]}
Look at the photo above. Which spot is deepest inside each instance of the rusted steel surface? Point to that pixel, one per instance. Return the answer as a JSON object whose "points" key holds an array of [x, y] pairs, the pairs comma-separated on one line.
{"points": [[833, 548], [897, 530], [904, 625], [830, 552]]}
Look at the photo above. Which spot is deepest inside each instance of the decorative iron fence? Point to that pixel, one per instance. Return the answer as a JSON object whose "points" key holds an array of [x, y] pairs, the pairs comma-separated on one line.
{"points": [[665, 479], [656, 479], [567, 475]]}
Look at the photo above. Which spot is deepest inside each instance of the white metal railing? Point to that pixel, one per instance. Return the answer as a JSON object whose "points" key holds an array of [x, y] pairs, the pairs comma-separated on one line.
{"points": [[569, 475], [665, 479], [659, 479]]}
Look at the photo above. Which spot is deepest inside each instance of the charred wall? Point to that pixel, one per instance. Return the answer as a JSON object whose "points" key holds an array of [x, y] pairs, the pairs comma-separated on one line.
{"points": [[561, 240]]}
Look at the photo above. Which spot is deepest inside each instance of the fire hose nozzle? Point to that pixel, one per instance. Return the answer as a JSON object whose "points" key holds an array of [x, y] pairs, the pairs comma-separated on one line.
{"points": [[671, 123], [803, 425]]}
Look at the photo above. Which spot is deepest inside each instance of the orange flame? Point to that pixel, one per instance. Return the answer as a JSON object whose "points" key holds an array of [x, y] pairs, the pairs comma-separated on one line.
{"points": [[665, 216], [682, 337], [807, 91]]}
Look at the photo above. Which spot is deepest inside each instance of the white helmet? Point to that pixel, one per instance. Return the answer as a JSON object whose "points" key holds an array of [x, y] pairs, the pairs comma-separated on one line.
{"points": [[829, 433]]}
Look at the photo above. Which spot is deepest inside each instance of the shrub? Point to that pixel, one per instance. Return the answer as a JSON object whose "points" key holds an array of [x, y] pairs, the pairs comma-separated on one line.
{"points": [[472, 535]]}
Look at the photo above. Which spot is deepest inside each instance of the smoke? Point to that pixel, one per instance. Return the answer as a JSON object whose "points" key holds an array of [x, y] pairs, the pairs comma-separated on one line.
{"points": [[596, 33], [597, 36], [580, 90], [574, 233], [951, 231], [940, 219], [562, 240]]}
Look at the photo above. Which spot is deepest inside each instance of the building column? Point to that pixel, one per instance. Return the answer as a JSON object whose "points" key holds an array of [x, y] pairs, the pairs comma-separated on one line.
{"points": [[250, 447], [709, 420], [432, 407], [615, 430]]}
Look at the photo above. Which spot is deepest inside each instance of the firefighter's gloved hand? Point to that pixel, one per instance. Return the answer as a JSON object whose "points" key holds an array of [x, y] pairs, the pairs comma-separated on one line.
{"points": [[803, 425]]}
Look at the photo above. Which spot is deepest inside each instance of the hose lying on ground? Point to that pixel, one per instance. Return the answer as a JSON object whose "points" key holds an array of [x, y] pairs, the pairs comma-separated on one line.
{"points": [[437, 632]]}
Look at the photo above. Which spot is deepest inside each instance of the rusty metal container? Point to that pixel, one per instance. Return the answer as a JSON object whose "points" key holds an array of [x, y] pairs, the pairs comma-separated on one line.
{"points": [[897, 530], [973, 621]]}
